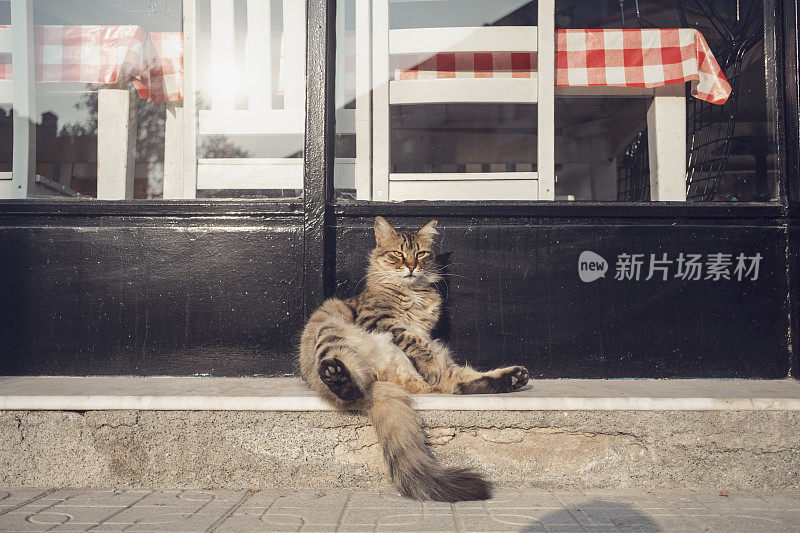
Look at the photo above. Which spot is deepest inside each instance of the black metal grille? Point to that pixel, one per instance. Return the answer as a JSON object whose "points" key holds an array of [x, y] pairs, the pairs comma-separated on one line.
{"points": [[633, 171], [711, 128], [710, 134]]}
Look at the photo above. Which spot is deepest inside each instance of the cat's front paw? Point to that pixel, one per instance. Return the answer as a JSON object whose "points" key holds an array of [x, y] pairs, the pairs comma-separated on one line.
{"points": [[516, 377], [335, 375]]}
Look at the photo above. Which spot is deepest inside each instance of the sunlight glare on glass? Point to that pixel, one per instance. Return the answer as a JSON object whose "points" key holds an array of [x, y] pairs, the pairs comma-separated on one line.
{"points": [[225, 83]]}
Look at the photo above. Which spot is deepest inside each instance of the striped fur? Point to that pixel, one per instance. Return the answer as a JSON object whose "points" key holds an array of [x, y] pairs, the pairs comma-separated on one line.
{"points": [[369, 352]]}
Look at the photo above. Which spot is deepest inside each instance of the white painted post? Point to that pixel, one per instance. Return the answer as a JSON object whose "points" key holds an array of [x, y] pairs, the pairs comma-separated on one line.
{"points": [[173, 152], [380, 100], [363, 112], [666, 138], [24, 90], [294, 39], [223, 95], [545, 134], [116, 144], [339, 84], [189, 99], [258, 56]]}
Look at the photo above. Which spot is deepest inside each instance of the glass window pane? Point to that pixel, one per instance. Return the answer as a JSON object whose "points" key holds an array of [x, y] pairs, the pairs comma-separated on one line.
{"points": [[107, 117], [453, 100], [250, 82]]}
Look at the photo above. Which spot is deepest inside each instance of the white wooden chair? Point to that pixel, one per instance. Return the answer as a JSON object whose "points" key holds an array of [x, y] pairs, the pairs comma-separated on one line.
{"points": [[260, 117], [183, 177], [538, 89]]}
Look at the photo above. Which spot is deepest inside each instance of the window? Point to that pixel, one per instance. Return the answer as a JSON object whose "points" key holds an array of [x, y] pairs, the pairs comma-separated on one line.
{"points": [[454, 100], [118, 100], [435, 100]]}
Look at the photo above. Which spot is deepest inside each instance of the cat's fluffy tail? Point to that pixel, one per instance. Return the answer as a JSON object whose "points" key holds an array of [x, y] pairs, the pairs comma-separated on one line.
{"points": [[413, 468]]}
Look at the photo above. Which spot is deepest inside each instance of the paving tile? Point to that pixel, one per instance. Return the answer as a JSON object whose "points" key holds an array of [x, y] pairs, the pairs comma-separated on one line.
{"points": [[28, 508], [782, 501], [677, 523], [318, 528], [240, 523], [364, 500], [355, 528], [260, 500], [313, 499], [716, 502], [176, 522], [415, 522], [100, 498], [108, 527], [12, 497], [503, 522], [73, 515], [599, 499], [190, 499], [751, 522], [307, 516], [323, 511], [16, 522]]}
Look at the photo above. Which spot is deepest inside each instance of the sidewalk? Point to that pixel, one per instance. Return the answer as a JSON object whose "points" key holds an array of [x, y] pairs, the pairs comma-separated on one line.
{"points": [[529, 511]]}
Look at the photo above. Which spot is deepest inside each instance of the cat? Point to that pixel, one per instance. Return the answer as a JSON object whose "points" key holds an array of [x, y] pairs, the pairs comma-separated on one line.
{"points": [[367, 353]]}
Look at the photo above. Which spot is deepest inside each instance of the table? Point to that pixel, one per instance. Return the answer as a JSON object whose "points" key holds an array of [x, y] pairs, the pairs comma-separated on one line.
{"points": [[651, 63]]}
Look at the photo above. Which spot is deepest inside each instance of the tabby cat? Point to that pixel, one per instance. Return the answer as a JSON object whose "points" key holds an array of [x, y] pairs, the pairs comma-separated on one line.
{"points": [[369, 352]]}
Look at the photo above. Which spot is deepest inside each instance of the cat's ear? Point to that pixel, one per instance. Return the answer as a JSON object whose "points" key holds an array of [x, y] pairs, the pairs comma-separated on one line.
{"points": [[383, 231], [428, 231]]}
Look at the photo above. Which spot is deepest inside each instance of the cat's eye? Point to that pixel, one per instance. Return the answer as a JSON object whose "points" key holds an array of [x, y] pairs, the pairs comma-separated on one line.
{"points": [[397, 256], [423, 254]]}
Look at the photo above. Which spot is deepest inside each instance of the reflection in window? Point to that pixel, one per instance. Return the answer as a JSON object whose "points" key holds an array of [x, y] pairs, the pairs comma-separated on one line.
{"points": [[673, 108], [108, 82], [250, 83], [84, 118]]}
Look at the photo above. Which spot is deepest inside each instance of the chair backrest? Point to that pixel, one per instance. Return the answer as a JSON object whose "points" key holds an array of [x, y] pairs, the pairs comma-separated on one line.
{"points": [[258, 81], [535, 88]]}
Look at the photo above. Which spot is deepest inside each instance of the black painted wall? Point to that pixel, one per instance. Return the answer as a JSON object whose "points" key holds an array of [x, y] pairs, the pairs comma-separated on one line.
{"points": [[117, 294], [514, 296], [218, 290]]}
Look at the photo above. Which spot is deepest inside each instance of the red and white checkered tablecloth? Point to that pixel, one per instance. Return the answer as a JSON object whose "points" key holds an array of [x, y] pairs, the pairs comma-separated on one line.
{"points": [[585, 57], [619, 58], [108, 55], [650, 57], [161, 74], [87, 54]]}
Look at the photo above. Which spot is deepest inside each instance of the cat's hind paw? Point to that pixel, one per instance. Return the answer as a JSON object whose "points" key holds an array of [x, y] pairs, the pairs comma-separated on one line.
{"points": [[335, 375], [518, 377]]}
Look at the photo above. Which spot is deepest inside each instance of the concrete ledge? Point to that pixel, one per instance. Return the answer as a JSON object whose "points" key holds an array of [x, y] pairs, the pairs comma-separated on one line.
{"points": [[274, 434], [290, 394]]}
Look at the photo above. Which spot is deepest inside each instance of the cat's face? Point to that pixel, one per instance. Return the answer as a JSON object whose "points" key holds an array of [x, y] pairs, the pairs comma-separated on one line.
{"points": [[404, 258]]}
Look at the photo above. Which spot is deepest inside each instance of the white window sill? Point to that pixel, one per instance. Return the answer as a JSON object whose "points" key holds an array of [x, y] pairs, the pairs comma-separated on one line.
{"points": [[290, 394]]}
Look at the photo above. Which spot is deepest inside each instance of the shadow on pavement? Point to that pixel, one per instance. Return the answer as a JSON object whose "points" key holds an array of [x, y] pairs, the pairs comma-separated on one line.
{"points": [[597, 513]]}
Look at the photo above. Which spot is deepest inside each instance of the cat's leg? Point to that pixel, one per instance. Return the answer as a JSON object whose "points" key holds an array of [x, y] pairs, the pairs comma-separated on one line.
{"points": [[469, 381], [330, 358], [336, 376]]}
